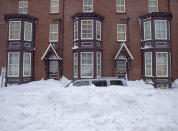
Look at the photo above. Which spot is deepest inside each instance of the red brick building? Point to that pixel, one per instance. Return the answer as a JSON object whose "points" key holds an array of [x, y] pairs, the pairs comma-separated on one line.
{"points": [[88, 39]]}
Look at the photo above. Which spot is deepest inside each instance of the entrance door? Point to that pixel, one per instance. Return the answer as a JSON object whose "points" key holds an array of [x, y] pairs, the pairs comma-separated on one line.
{"points": [[53, 69]]}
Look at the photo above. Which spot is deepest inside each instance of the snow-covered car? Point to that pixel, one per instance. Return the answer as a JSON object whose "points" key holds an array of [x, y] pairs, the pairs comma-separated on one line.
{"points": [[99, 82]]}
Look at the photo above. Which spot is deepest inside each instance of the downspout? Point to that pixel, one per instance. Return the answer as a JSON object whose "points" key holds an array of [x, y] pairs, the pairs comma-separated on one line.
{"points": [[62, 40]]}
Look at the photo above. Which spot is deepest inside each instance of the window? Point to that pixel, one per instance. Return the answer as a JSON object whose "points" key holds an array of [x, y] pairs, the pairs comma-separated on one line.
{"points": [[98, 64], [98, 30], [160, 29], [121, 32], [148, 63], [27, 64], [116, 82], [147, 30], [76, 30], [120, 6], [28, 31], [121, 66], [14, 30], [86, 65], [101, 83], [81, 83], [23, 7], [87, 5], [53, 33], [87, 29], [152, 6], [54, 6], [13, 64], [75, 66], [162, 64]]}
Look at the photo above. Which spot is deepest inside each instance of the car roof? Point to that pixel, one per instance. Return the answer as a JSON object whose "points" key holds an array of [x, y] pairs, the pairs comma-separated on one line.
{"points": [[101, 78]]}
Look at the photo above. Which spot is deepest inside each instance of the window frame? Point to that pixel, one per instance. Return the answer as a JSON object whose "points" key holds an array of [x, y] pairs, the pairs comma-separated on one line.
{"points": [[125, 28], [167, 64], [52, 33], [24, 8], [10, 29], [166, 29], [18, 70], [26, 53], [28, 32], [144, 25], [87, 6], [92, 64], [91, 30], [150, 64], [56, 6], [120, 5]]}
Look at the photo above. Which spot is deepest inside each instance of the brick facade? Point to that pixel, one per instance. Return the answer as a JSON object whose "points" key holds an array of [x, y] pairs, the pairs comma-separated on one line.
{"points": [[109, 44]]}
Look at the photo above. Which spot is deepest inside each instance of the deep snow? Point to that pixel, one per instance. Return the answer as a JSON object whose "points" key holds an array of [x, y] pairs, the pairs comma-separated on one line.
{"points": [[48, 106]]}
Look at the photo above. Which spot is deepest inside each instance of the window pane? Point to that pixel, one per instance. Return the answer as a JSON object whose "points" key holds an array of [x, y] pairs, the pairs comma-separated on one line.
{"points": [[75, 65], [28, 31], [13, 64], [121, 32], [53, 32], [27, 64], [87, 5], [162, 64], [161, 29], [120, 6], [14, 30], [147, 30], [54, 6], [87, 29], [98, 30], [98, 64], [152, 6], [76, 30], [86, 64], [23, 7], [148, 64]]}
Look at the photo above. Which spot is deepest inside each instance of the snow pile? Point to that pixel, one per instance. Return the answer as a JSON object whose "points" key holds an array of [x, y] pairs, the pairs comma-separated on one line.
{"points": [[47, 106], [175, 83]]}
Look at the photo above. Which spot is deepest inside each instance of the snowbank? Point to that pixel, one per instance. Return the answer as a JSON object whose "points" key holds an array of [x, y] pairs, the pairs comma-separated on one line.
{"points": [[47, 106]]}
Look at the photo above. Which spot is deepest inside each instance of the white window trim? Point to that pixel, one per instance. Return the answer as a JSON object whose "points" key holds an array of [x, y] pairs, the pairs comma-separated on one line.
{"points": [[18, 64], [87, 5], [53, 32], [81, 66], [166, 63], [157, 7], [25, 31], [76, 24], [117, 5], [19, 29], [150, 30], [98, 22], [151, 65], [24, 65], [122, 32], [75, 62], [156, 29], [98, 64], [82, 29], [54, 6]]}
